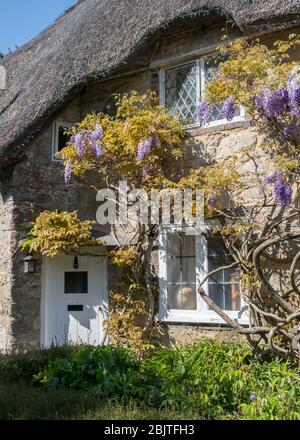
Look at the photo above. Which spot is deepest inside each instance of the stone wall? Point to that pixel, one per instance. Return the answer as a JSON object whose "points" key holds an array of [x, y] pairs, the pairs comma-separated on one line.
{"points": [[183, 334], [7, 238], [37, 184]]}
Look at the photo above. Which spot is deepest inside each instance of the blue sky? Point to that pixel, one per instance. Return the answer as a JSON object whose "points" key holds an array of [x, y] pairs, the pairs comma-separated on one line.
{"points": [[21, 20]]}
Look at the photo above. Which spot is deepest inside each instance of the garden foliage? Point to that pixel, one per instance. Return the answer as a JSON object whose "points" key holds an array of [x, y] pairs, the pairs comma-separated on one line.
{"points": [[214, 380]]}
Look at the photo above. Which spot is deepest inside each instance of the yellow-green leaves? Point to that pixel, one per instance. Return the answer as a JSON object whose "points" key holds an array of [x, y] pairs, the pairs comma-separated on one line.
{"points": [[251, 66], [55, 232], [138, 120]]}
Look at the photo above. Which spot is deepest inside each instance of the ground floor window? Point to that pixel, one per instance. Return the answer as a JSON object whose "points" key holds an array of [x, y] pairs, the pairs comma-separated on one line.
{"points": [[224, 286], [184, 261]]}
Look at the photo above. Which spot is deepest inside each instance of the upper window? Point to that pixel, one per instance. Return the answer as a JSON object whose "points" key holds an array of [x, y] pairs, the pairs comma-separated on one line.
{"points": [[181, 91], [60, 138], [182, 88], [184, 262]]}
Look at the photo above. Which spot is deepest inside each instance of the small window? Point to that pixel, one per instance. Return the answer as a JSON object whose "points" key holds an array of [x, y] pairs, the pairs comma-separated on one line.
{"points": [[76, 282], [183, 87], [60, 137]]}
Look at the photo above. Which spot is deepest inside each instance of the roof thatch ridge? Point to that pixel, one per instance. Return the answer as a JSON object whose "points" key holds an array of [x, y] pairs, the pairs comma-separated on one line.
{"points": [[94, 39]]}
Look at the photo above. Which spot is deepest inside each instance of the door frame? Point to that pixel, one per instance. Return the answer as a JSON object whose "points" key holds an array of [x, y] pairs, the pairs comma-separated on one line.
{"points": [[103, 287]]}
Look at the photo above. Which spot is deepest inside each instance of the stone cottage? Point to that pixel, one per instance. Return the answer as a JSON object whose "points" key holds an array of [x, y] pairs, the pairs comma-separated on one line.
{"points": [[95, 49]]}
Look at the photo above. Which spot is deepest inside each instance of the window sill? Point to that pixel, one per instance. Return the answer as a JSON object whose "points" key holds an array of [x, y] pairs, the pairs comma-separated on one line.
{"points": [[198, 318], [196, 130], [57, 160]]}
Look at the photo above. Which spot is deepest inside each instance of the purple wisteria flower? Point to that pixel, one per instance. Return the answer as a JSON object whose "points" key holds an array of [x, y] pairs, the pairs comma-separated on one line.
{"points": [[272, 177], [146, 170], [282, 99], [97, 148], [289, 130], [272, 103], [293, 89], [91, 138], [229, 108], [144, 148], [281, 189], [259, 100], [283, 192], [211, 199], [79, 144], [94, 140], [68, 172], [97, 133], [204, 112]]}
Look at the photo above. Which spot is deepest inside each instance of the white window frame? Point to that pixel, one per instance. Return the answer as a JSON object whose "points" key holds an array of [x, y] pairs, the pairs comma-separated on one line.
{"points": [[200, 88], [203, 315], [55, 137]]}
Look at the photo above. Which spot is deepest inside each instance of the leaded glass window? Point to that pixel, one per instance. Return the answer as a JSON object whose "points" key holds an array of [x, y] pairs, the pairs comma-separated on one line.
{"points": [[184, 88], [181, 91], [210, 68]]}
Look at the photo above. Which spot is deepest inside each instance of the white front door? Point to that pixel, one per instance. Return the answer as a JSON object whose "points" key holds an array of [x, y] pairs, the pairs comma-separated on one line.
{"points": [[74, 300]]}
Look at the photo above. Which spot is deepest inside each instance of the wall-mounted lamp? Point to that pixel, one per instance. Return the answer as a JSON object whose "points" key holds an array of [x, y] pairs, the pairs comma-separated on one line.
{"points": [[75, 264], [29, 264]]}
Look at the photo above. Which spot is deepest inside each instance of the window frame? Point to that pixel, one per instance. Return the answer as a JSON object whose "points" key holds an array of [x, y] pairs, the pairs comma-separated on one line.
{"points": [[202, 315], [55, 137], [200, 88]]}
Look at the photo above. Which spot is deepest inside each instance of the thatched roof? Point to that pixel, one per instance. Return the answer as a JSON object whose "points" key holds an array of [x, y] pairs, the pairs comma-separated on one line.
{"points": [[94, 39]]}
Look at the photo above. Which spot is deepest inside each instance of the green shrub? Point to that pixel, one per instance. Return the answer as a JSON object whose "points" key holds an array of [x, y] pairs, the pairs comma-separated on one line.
{"points": [[23, 367], [276, 387], [226, 381], [209, 377], [112, 373], [214, 380]]}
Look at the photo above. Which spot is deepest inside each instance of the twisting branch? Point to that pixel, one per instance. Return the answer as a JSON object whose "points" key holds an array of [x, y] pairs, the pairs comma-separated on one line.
{"points": [[256, 261], [221, 312], [292, 273]]}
